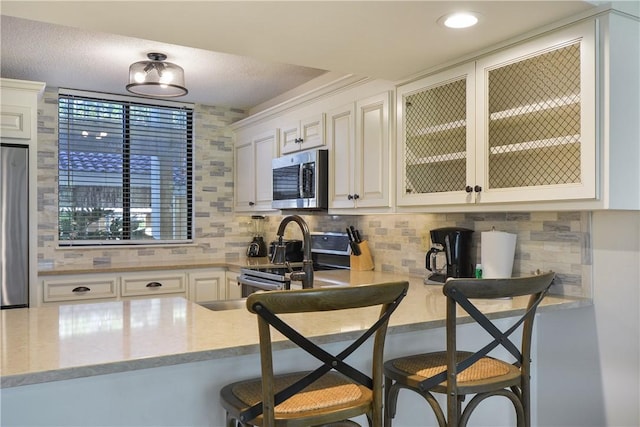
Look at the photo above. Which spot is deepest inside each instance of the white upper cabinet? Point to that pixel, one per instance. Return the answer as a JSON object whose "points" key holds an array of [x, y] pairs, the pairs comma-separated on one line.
{"points": [[515, 126], [536, 120], [436, 141], [302, 134], [358, 136], [341, 138], [253, 180], [15, 122]]}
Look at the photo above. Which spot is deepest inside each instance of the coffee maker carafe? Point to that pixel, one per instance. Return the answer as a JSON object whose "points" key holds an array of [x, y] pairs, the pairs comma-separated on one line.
{"points": [[456, 244], [257, 247]]}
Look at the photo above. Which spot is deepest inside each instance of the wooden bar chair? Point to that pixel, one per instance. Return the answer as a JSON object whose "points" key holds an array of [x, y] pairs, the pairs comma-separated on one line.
{"points": [[330, 394], [459, 373]]}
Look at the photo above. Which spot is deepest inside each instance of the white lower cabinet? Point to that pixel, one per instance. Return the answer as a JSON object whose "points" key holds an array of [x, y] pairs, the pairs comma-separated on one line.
{"points": [[207, 285], [153, 283], [80, 287], [197, 285], [232, 288]]}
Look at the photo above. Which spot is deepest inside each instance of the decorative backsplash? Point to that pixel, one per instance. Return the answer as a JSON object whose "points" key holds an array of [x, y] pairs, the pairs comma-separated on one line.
{"points": [[558, 241]]}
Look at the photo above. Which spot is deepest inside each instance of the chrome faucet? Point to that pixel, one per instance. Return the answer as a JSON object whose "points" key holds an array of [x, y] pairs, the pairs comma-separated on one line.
{"points": [[278, 257]]}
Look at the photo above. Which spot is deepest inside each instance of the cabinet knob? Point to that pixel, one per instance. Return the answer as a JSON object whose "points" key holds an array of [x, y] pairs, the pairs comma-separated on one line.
{"points": [[299, 140], [356, 196], [468, 189], [154, 284], [251, 203], [81, 289], [349, 197], [477, 189]]}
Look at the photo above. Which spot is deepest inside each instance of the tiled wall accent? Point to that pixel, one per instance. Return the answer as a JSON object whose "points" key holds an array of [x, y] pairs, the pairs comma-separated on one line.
{"points": [[216, 228], [558, 241]]}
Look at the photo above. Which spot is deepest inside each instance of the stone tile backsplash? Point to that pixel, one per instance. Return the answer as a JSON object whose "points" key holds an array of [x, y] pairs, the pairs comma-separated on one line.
{"points": [[558, 241]]}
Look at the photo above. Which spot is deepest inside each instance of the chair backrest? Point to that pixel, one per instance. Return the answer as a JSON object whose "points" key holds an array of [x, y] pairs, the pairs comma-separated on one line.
{"points": [[268, 305], [459, 291]]}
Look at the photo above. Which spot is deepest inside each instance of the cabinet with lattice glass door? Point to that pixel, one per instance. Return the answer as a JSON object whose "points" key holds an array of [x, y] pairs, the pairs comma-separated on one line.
{"points": [[436, 138], [534, 132], [538, 120]]}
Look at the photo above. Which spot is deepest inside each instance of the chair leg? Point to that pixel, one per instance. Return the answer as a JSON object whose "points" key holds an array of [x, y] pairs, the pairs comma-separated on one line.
{"points": [[230, 421], [478, 398], [390, 401]]}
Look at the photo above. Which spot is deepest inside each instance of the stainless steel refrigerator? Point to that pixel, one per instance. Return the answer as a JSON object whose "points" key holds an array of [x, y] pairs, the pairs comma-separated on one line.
{"points": [[14, 225]]}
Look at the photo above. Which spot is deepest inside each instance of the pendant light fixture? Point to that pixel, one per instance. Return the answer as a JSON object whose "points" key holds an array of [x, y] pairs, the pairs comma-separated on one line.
{"points": [[156, 78]]}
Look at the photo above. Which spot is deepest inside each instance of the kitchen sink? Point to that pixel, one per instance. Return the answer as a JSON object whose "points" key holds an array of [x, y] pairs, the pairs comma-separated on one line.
{"points": [[222, 305]]}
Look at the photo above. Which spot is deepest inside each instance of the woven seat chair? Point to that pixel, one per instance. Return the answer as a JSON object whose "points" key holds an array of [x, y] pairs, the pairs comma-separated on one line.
{"points": [[459, 373], [334, 392]]}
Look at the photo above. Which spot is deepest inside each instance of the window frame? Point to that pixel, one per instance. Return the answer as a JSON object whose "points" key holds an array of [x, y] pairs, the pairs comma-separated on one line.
{"points": [[191, 168]]}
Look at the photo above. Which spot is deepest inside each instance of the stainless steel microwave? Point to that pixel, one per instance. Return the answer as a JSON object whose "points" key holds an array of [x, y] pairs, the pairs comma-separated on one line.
{"points": [[300, 180]]}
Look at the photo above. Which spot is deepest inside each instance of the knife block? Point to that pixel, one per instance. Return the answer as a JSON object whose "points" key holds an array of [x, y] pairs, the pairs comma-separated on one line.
{"points": [[364, 261]]}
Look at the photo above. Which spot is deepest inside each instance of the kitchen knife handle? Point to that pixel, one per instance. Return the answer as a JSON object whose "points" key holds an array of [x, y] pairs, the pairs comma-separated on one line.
{"points": [[355, 249], [349, 234]]}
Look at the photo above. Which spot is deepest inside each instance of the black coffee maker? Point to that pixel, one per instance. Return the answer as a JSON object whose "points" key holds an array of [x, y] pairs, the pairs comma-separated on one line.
{"points": [[456, 244]]}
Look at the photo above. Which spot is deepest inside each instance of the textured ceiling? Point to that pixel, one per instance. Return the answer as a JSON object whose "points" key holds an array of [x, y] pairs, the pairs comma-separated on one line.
{"points": [[89, 45]]}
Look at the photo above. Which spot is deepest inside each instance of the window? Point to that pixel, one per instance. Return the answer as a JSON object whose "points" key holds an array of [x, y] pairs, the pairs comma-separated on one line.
{"points": [[125, 171]]}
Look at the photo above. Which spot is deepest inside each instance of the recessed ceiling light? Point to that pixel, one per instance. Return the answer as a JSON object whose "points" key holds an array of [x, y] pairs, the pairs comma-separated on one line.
{"points": [[459, 20]]}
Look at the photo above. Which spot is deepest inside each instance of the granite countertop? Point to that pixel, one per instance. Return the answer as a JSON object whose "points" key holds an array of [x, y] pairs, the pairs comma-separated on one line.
{"points": [[79, 340]]}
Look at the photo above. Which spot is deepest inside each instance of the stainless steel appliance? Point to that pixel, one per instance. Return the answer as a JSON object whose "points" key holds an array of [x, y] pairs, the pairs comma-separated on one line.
{"points": [[14, 225], [300, 180], [293, 250], [329, 251], [257, 247], [456, 244]]}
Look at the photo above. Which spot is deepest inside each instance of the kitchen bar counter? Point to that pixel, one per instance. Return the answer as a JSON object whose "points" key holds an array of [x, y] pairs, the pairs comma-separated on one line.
{"points": [[48, 344]]}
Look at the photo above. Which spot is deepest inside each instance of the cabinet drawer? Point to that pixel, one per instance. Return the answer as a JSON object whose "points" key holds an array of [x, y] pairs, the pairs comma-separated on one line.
{"points": [[76, 290], [153, 284]]}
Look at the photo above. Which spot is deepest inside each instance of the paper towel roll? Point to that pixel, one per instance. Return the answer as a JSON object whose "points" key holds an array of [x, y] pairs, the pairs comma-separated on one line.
{"points": [[497, 250]]}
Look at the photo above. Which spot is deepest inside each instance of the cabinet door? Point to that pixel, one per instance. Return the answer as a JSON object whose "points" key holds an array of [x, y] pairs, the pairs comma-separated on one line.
{"points": [[233, 289], [253, 184], [289, 138], [372, 155], [536, 130], [206, 285], [302, 134], [312, 132], [264, 149], [15, 122], [341, 140], [245, 177], [436, 138]]}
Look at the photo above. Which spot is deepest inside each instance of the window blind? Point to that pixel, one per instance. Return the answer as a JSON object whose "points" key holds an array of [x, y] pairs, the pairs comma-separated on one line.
{"points": [[125, 171]]}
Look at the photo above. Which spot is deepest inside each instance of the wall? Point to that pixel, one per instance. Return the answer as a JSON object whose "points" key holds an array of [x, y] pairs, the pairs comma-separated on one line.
{"points": [[218, 235], [588, 362], [398, 242]]}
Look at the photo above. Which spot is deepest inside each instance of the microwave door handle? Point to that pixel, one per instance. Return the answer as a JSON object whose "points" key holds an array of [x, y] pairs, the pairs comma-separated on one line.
{"points": [[301, 180]]}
